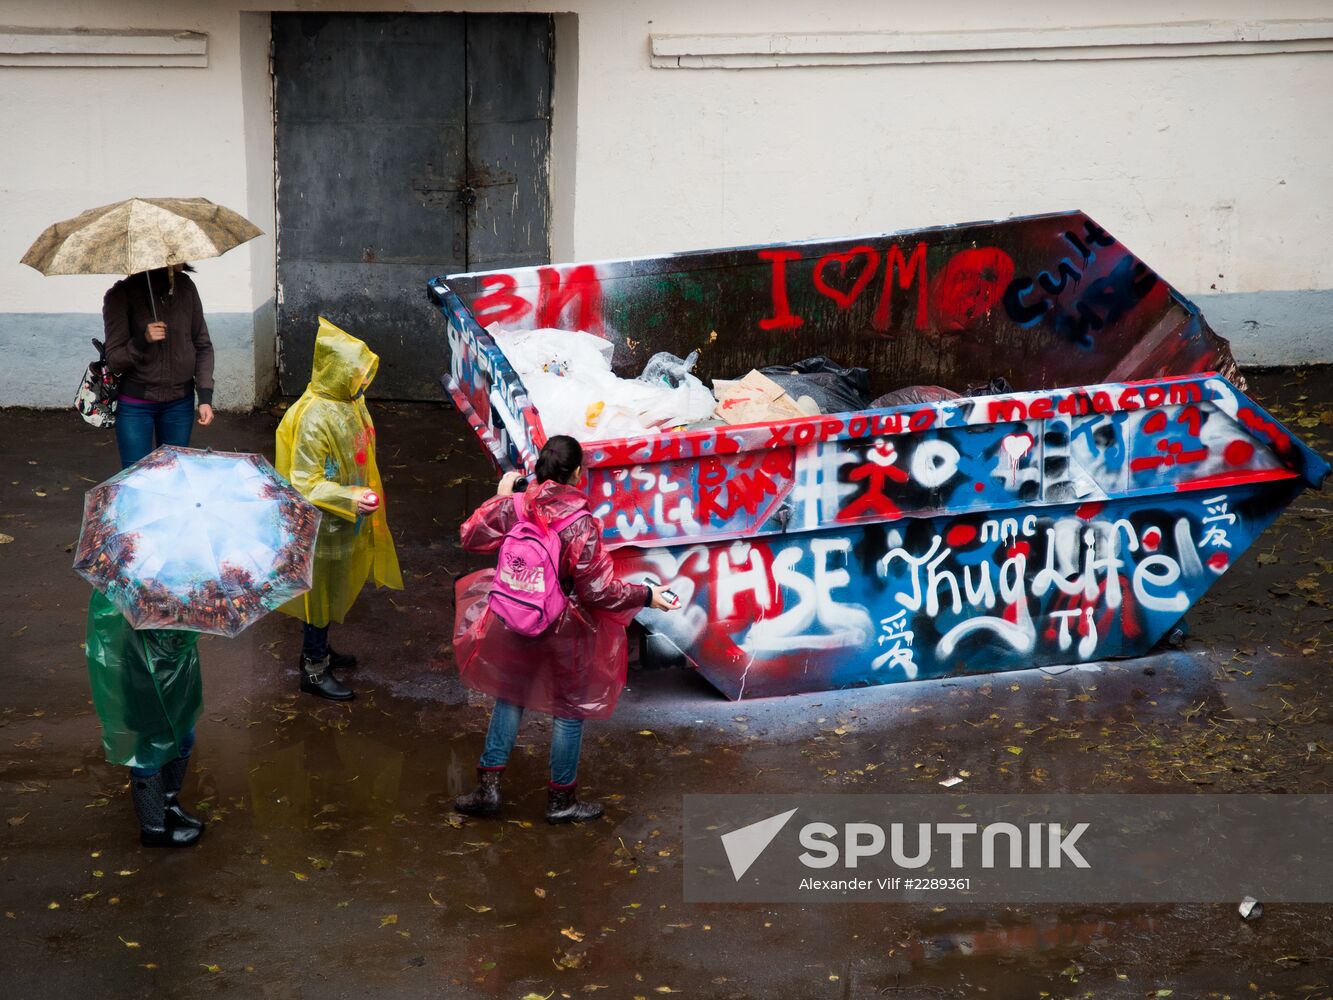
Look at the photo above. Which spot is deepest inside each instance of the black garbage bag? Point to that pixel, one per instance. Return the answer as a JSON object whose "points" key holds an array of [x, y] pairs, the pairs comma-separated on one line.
{"points": [[998, 386], [833, 388], [913, 394]]}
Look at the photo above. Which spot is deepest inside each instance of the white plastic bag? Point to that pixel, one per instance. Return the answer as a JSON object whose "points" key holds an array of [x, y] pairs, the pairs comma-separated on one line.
{"points": [[569, 379]]}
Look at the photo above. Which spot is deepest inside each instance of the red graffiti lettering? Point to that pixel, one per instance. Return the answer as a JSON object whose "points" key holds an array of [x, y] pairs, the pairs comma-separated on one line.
{"points": [[999, 411], [499, 301], [712, 472], [1180, 393], [909, 270], [1268, 429], [921, 420], [783, 318], [579, 287], [969, 287]]}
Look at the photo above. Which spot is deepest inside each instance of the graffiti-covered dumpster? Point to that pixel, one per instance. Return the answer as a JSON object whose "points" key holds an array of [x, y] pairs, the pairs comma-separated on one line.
{"points": [[1074, 515]]}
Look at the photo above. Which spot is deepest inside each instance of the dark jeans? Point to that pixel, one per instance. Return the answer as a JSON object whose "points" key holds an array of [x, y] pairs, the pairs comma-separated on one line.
{"points": [[315, 643], [141, 427], [186, 745], [566, 742]]}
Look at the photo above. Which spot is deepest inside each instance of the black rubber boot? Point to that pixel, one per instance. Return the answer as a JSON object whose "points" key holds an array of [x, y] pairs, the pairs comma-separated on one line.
{"points": [[151, 808], [484, 800], [173, 776], [563, 806], [317, 679], [341, 661]]}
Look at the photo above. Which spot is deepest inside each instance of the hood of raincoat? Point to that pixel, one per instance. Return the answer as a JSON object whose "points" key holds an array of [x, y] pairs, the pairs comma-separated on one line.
{"points": [[554, 501], [342, 363]]}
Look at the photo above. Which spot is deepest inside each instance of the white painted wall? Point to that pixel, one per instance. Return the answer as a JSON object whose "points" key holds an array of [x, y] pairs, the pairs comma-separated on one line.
{"points": [[1214, 170]]}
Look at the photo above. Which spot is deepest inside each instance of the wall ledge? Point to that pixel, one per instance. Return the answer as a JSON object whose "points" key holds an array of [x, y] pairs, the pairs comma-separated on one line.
{"points": [[102, 48], [1166, 40]]}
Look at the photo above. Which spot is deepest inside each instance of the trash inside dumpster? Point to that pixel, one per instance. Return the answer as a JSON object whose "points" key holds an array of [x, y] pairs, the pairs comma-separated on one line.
{"points": [[1071, 462]]}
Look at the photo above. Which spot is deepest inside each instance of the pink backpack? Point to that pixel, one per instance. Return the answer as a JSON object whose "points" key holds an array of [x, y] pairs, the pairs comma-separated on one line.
{"points": [[526, 594]]}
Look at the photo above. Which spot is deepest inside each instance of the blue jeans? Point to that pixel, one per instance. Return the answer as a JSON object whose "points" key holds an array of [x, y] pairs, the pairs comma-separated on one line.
{"points": [[186, 745], [141, 427], [566, 741]]}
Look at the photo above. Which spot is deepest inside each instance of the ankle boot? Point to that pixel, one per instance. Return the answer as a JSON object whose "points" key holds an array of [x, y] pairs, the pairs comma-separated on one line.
{"points": [[318, 679], [563, 805], [150, 807], [173, 776], [484, 800], [341, 661]]}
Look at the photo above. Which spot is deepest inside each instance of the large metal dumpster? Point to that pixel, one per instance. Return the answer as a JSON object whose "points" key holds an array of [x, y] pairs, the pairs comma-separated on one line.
{"points": [[1076, 519]]}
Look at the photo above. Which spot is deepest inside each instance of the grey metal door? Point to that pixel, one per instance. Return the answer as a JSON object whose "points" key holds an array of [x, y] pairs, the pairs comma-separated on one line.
{"points": [[408, 145]]}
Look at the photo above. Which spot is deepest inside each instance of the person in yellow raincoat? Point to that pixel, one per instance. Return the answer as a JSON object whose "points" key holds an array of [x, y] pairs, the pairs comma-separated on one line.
{"points": [[326, 449]]}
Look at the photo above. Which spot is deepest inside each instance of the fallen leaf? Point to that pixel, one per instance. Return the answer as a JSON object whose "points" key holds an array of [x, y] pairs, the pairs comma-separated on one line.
{"points": [[433, 899], [646, 732], [128, 871], [53, 905], [539, 892], [300, 876], [1016, 751], [17, 820], [392, 918], [5, 539], [148, 965], [538, 996], [483, 908], [128, 944], [572, 934], [210, 968]]}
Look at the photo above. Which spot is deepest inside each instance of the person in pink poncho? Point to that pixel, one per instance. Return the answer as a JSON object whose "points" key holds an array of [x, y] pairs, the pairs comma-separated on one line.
{"points": [[573, 671]]}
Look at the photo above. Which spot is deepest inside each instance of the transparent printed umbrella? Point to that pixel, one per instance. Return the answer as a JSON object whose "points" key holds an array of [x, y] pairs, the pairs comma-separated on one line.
{"points": [[199, 540]]}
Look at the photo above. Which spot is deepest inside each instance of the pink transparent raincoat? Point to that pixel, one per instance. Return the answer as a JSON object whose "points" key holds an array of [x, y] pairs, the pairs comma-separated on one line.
{"points": [[576, 669]]}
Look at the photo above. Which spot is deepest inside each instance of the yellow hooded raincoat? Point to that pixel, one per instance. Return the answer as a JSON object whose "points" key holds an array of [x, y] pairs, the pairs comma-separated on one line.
{"points": [[326, 448]]}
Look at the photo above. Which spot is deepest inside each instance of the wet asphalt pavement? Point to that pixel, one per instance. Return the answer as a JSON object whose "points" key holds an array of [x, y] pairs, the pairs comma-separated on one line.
{"points": [[333, 866]]}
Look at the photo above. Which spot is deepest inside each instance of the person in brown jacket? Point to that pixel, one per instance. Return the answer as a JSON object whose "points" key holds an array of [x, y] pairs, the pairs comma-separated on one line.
{"points": [[157, 343]]}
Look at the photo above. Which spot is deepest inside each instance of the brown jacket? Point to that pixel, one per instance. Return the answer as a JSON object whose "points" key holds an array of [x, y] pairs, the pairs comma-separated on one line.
{"points": [[170, 369]]}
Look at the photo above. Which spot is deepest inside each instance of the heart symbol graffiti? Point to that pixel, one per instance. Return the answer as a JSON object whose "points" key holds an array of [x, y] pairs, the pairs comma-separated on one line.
{"points": [[845, 257], [1016, 446]]}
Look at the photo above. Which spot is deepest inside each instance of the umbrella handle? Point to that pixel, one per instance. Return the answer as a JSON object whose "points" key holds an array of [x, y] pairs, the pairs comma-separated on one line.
{"points": [[152, 299]]}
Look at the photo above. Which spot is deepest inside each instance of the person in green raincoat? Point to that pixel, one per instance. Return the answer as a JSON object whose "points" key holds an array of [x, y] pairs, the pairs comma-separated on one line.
{"points": [[326, 449], [148, 695]]}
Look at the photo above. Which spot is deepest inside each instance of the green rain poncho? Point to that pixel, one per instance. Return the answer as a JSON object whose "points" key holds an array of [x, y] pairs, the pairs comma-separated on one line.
{"points": [[146, 686], [326, 449]]}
